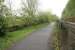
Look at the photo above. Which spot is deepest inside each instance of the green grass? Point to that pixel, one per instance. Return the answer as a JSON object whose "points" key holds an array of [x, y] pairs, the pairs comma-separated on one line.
{"points": [[15, 36]]}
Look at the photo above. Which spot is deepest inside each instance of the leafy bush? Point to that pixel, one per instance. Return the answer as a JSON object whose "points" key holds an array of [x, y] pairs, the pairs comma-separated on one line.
{"points": [[2, 26]]}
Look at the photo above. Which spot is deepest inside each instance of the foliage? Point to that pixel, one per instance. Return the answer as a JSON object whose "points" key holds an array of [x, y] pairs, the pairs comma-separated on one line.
{"points": [[47, 16], [69, 11], [2, 19]]}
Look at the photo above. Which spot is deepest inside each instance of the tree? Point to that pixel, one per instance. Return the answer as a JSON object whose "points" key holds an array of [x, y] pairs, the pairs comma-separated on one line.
{"points": [[69, 11], [32, 7], [47, 17], [11, 17], [29, 7], [2, 19], [29, 10]]}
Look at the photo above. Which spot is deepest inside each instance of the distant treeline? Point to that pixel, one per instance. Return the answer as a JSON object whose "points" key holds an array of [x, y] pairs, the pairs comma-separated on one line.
{"points": [[21, 22]]}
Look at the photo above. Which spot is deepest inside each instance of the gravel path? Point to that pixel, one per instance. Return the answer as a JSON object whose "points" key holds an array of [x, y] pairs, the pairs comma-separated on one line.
{"points": [[38, 40]]}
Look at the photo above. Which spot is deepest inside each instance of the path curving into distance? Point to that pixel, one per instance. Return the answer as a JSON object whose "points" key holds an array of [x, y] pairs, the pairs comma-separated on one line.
{"points": [[38, 40]]}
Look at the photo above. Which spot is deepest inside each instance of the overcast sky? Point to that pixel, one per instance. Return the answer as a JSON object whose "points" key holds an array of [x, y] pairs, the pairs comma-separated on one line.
{"points": [[56, 6]]}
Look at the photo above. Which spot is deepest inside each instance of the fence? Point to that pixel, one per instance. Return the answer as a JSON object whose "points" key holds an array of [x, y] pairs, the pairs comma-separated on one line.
{"points": [[68, 35]]}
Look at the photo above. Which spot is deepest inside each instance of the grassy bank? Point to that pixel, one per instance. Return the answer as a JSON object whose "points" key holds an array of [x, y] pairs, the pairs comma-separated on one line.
{"points": [[13, 37], [59, 37], [56, 37]]}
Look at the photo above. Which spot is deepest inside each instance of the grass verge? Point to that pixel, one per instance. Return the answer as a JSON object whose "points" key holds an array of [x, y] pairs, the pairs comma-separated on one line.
{"points": [[56, 37], [15, 36]]}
